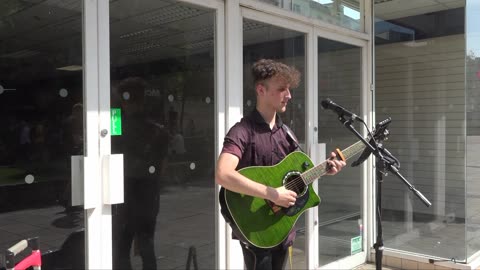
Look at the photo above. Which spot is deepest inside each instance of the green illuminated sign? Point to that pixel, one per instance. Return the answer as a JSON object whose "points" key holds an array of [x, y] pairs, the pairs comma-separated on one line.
{"points": [[116, 121]]}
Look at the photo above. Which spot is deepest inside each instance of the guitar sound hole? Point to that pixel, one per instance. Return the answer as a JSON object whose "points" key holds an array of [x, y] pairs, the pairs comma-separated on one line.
{"points": [[294, 182]]}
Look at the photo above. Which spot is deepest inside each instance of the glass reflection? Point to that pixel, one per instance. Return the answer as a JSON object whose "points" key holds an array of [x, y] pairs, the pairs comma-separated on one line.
{"points": [[472, 64], [41, 118], [162, 72], [340, 219], [420, 83], [345, 13]]}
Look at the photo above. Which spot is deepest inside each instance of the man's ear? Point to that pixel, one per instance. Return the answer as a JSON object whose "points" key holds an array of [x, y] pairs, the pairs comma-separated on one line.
{"points": [[260, 89]]}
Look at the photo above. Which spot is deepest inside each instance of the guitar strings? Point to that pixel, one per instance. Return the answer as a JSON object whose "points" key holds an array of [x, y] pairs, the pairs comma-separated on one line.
{"points": [[298, 182], [295, 185]]}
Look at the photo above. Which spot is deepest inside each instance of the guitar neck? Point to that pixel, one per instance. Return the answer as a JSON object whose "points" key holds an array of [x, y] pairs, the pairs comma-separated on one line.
{"points": [[316, 172]]}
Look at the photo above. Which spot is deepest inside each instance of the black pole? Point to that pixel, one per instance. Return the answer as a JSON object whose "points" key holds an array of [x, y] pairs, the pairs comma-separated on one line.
{"points": [[380, 166]]}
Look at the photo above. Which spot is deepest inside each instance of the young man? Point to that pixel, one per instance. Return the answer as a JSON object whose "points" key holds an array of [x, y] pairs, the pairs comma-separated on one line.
{"points": [[260, 140]]}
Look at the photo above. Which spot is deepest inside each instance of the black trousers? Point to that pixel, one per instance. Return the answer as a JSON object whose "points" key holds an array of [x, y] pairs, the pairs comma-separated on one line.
{"points": [[143, 232], [264, 259], [136, 219]]}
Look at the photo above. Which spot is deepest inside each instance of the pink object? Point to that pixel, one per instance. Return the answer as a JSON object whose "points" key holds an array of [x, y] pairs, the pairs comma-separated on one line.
{"points": [[34, 259], [478, 74]]}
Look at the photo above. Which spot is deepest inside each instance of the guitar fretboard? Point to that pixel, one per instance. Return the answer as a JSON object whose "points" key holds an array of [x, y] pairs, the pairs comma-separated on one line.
{"points": [[316, 172]]}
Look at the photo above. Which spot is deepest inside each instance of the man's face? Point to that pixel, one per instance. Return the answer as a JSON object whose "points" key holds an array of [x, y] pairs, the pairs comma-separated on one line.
{"points": [[277, 93]]}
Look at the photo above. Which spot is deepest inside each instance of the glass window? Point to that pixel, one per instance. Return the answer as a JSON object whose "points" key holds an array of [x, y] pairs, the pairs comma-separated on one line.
{"points": [[472, 31], [41, 128], [345, 13], [163, 82], [340, 213], [262, 40], [420, 83]]}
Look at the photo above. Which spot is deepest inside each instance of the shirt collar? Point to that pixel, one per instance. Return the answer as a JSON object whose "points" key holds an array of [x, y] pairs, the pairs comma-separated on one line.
{"points": [[257, 117]]}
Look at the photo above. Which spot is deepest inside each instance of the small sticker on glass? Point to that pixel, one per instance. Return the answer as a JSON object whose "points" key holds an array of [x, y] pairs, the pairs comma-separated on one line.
{"points": [[116, 121]]}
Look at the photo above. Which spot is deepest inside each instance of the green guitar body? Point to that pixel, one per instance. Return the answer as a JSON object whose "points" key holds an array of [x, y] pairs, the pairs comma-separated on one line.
{"points": [[255, 218]]}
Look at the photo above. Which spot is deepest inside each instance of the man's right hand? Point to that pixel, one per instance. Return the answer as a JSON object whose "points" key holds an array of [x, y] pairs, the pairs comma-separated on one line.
{"points": [[229, 178], [283, 197]]}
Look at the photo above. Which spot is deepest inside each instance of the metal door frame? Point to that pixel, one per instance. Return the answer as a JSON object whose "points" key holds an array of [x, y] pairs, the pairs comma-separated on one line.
{"points": [[98, 187]]}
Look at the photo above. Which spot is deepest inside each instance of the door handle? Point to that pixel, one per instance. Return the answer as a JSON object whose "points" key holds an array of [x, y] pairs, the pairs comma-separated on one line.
{"points": [[77, 180], [112, 177]]}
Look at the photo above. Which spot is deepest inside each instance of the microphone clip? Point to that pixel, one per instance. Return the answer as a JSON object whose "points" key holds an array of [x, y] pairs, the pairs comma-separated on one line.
{"points": [[380, 134], [328, 104]]}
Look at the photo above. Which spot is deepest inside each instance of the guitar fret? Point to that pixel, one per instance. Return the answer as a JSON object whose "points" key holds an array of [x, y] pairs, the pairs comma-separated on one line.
{"points": [[318, 171], [353, 149]]}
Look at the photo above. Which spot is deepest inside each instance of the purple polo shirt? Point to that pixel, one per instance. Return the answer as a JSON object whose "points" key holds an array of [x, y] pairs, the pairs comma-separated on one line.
{"points": [[255, 144]]}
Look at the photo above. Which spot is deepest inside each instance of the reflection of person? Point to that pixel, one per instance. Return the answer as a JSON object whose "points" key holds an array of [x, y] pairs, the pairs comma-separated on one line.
{"points": [[74, 130], [190, 130], [24, 140], [39, 140], [177, 143], [73, 136], [3, 152], [144, 145], [260, 140]]}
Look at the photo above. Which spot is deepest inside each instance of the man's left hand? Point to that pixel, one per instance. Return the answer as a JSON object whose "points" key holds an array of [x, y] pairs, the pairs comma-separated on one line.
{"points": [[334, 165]]}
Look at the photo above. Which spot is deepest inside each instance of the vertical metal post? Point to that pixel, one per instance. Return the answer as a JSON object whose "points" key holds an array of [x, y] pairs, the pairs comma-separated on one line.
{"points": [[98, 247]]}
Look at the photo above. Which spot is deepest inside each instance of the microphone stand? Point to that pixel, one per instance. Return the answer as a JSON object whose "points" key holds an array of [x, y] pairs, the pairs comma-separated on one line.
{"points": [[385, 161]]}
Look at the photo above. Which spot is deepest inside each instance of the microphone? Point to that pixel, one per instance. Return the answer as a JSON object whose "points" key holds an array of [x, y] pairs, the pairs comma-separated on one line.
{"points": [[328, 104]]}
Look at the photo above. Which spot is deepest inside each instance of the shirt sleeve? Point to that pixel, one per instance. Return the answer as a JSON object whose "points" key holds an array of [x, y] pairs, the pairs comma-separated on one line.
{"points": [[236, 140]]}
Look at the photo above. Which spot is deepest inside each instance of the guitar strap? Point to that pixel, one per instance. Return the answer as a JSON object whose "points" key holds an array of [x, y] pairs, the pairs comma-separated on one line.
{"points": [[291, 136]]}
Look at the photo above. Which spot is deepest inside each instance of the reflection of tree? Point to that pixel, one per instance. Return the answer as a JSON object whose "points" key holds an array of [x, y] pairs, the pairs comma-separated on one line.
{"points": [[182, 92], [472, 86], [189, 83], [473, 80], [186, 92]]}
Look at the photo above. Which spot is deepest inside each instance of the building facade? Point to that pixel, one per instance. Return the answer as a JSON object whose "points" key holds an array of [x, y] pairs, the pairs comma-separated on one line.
{"points": [[113, 114]]}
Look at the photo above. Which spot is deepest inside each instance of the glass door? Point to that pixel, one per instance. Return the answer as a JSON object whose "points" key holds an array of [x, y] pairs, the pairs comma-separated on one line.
{"points": [[331, 235], [341, 220], [42, 129], [262, 40], [163, 96]]}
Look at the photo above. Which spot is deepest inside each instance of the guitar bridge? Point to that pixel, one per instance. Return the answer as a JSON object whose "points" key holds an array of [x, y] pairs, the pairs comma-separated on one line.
{"points": [[275, 208]]}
